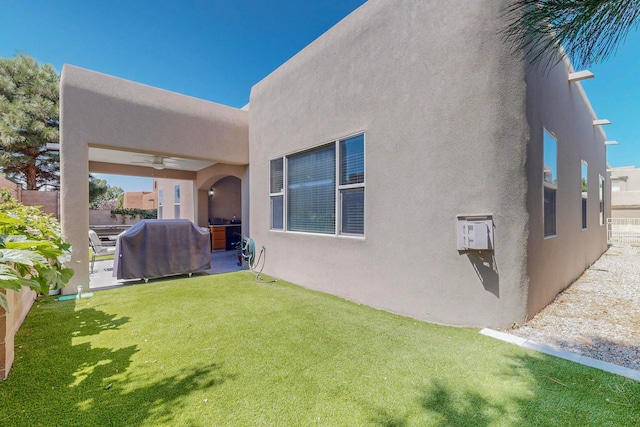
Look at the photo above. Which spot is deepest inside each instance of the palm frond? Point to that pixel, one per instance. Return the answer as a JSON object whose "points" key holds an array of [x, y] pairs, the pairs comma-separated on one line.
{"points": [[587, 31]]}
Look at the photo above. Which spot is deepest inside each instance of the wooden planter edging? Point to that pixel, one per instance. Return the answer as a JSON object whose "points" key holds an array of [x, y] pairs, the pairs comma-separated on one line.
{"points": [[19, 305]]}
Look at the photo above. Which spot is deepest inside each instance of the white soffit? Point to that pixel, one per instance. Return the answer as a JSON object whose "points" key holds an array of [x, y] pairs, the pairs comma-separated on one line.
{"points": [[601, 122], [143, 159], [611, 143]]}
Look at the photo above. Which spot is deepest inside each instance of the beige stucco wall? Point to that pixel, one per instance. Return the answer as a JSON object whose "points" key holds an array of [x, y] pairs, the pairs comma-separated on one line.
{"points": [[186, 202], [226, 201], [563, 109], [208, 177], [135, 199], [150, 201], [627, 213], [108, 112], [629, 178], [442, 103], [625, 203]]}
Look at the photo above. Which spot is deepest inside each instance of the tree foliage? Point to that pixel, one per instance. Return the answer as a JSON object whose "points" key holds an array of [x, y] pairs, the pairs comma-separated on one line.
{"points": [[29, 119], [97, 189], [587, 31], [111, 199], [32, 249]]}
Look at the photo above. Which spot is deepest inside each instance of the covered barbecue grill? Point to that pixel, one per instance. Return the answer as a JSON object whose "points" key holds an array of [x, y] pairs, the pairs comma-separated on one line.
{"points": [[157, 248]]}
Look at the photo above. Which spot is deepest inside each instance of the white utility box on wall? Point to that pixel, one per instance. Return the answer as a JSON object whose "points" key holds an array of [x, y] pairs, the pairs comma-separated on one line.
{"points": [[474, 232]]}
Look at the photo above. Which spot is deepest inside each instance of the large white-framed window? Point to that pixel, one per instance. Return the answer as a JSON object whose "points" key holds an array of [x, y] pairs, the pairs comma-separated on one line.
{"points": [[160, 204], [601, 197], [176, 201], [320, 190], [550, 183], [584, 190]]}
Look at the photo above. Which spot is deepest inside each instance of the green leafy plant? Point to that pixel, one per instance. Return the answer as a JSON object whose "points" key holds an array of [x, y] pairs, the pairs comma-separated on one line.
{"points": [[133, 213], [32, 249]]}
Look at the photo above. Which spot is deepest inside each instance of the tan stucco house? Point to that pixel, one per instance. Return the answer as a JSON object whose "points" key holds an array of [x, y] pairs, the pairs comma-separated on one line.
{"points": [[406, 160], [625, 192]]}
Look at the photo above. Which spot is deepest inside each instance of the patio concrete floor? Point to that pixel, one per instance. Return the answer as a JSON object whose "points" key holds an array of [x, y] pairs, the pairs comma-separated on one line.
{"points": [[102, 277]]}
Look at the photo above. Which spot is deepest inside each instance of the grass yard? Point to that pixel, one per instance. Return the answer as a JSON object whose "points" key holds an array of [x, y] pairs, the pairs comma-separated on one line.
{"points": [[227, 351]]}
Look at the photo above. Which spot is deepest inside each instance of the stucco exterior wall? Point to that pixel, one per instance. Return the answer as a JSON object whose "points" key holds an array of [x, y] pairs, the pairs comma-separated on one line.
{"points": [[442, 103], [563, 109], [186, 202], [625, 203], [108, 112], [133, 199], [150, 201], [226, 201], [629, 178], [209, 176]]}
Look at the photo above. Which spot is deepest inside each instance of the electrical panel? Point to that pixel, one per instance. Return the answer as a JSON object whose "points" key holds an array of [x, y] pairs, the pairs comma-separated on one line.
{"points": [[474, 232]]}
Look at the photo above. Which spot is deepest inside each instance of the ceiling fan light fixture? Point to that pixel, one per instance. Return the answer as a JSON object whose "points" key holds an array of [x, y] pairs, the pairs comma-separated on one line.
{"points": [[158, 162]]}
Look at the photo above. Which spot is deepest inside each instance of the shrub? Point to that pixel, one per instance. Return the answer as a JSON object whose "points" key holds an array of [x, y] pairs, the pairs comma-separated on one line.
{"points": [[32, 249]]}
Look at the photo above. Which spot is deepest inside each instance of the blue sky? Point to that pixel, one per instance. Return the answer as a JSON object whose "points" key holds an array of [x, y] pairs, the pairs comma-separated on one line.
{"points": [[218, 49]]}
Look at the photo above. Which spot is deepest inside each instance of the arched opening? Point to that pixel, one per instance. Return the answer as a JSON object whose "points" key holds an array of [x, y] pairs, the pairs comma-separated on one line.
{"points": [[225, 201], [225, 213]]}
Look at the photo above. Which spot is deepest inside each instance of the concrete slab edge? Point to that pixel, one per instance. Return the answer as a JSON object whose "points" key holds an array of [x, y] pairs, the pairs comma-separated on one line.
{"points": [[563, 354]]}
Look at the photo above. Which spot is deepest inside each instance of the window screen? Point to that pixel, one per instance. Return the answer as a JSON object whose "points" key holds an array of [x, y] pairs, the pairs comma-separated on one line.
{"points": [[352, 160], [276, 178], [352, 185], [276, 190], [277, 211], [549, 211], [550, 183], [311, 190]]}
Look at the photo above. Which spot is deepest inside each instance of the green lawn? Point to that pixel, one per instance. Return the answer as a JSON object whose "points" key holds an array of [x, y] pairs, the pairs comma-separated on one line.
{"points": [[224, 350]]}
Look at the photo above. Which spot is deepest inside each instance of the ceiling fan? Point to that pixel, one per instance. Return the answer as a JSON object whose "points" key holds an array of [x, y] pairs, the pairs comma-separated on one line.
{"points": [[157, 162]]}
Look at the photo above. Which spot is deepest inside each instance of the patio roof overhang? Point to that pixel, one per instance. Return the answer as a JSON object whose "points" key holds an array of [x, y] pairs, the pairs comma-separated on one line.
{"points": [[107, 121]]}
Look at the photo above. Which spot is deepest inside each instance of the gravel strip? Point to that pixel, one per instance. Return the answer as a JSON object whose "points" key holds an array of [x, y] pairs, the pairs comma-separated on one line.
{"points": [[598, 316]]}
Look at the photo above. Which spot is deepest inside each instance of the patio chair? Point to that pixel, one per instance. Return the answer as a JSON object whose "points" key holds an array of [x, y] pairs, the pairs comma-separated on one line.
{"points": [[97, 249]]}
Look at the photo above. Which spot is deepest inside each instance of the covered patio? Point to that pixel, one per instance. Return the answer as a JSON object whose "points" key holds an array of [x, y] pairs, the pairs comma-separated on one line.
{"points": [[102, 276], [111, 125]]}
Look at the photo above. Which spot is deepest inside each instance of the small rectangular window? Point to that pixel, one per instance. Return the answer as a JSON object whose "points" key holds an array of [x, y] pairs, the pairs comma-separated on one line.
{"points": [[176, 201], [176, 194], [160, 206], [277, 213], [584, 192], [276, 193], [549, 211], [601, 197], [615, 185], [550, 184], [351, 186]]}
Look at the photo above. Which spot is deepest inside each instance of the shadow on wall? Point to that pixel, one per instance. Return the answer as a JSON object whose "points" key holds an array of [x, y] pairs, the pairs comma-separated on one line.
{"points": [[486, 267]]}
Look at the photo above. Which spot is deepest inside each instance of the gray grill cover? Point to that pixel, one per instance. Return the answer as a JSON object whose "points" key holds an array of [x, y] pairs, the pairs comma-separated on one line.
{"points": [[157, 248]]}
